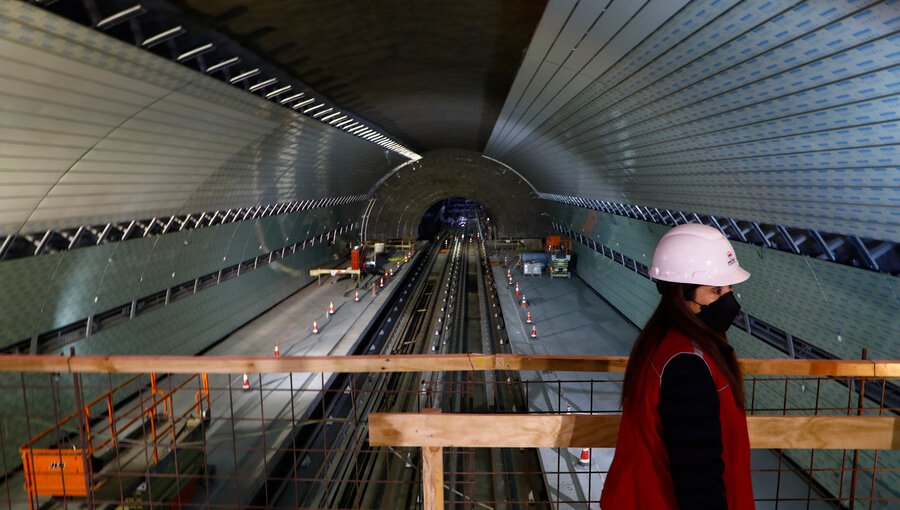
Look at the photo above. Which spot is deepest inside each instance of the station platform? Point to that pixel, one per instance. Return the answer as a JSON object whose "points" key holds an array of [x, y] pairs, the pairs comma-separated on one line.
{"points": [[572, 319], [285, 397]]}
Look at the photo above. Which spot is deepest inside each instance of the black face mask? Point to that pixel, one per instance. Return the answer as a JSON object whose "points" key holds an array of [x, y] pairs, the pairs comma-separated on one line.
{"points": [[719, 314]]}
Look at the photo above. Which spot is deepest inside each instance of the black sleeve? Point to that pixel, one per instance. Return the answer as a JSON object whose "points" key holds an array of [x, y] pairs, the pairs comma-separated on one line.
{"points": [[689, 409]]}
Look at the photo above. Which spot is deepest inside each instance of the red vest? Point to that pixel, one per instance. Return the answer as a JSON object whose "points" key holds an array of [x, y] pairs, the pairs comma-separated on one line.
{"points": [[639, 478]]}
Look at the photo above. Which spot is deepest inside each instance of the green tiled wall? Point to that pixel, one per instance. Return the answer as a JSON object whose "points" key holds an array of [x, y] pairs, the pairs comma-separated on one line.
{"points": [[185, 326], [838, 308], [811, 299], [43, 293]]}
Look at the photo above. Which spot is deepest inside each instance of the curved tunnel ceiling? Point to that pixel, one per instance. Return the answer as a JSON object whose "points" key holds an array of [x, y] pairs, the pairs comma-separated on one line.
{"points": [[434, 75], [403, 197]]}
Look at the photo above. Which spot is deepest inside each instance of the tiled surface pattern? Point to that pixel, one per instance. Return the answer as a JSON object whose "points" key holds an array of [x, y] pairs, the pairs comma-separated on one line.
{"points": [[44, 293], [93, 130], [809, 298], [781, 112]]}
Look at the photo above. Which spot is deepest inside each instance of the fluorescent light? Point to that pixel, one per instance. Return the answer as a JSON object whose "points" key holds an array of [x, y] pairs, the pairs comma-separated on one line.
{"points": [[313, 107], [121, 16], [162, 36], [291, 98], [277, 91], [223, 64], [323, 112], [351, 126], [244, 76], [325, 118], [199, 50], [264, 83], [341, 124], [301, 104]]}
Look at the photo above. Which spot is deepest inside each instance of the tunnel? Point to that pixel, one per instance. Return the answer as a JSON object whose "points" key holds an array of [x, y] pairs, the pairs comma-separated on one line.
{"points": [[307, 213]]}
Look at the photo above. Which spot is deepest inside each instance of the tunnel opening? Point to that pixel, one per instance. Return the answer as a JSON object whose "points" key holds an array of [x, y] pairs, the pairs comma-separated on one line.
{"points": [[451, 213]]}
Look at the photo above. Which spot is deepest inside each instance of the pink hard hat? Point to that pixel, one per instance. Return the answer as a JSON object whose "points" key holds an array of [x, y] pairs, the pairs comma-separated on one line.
{"points": [[697, 254]]}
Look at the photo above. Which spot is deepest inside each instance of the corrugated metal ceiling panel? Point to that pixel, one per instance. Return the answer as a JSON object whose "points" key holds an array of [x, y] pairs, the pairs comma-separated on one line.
{"points": [[776, 111]]}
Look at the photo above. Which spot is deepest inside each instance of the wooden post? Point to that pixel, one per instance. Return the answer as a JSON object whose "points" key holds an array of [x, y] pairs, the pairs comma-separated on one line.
{"points": [[432, 473], [433, 478]]}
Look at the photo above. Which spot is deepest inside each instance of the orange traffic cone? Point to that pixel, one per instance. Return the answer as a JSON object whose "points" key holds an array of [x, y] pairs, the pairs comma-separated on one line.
{"points": [[246, 384], [517, 289], [277, 351], [528, 317], [585, 459], [331, 307], [315, 327], [356, 297], [381, 282], [533, 331], [523, 300], [508, 273], [510, 281]]}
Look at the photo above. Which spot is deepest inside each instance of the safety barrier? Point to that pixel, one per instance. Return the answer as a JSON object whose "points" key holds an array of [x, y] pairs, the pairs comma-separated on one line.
{"points": [[382, 430]]}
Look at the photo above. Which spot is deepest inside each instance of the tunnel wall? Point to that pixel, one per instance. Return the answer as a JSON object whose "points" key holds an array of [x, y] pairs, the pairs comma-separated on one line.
{"points": [[403, 196], [94, 130], [809, 298], [779, 112], [183, 327], [51, 291]]}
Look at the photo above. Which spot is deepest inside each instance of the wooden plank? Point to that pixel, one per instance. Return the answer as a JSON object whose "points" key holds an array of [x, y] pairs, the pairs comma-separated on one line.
{"points": [[493, 430], [842, 368], [239, 364], [562, 363], [600, 431], [433, 478], [825, 432], [409, 363], [333, 272], [432, 472], [887, 369]]}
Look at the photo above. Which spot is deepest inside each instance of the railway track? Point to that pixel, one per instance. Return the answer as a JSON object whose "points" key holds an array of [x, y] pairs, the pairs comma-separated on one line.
{"points": [[448, 304]]}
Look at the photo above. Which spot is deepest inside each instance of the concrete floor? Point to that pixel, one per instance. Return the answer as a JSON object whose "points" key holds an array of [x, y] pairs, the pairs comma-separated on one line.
{"points": [[572, 319]]}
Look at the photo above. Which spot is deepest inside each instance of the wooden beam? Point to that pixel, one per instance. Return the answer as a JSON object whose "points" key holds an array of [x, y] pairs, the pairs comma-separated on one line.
{"points": [[887, 369], [410, 363], [825, 432], [333, 272], [838, 368], [600, 431], [432, 473], [433, 478]]}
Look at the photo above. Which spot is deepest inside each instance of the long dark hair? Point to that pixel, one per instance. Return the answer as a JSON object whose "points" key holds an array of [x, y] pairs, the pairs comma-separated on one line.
{"points": [[673, 312]]}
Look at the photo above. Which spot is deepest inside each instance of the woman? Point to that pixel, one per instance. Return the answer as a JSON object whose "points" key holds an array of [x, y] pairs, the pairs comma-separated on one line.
{"points": [[683, 440]]}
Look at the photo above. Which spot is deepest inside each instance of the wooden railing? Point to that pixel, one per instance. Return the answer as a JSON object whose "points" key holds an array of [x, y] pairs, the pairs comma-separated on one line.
{"points": [[433, 431], [878, 369]]}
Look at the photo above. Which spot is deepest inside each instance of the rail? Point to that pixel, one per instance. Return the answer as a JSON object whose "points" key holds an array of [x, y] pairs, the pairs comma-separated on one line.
{"points": [[856, 415], [879, 369]]}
